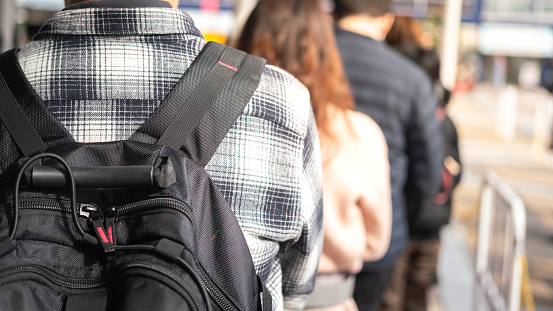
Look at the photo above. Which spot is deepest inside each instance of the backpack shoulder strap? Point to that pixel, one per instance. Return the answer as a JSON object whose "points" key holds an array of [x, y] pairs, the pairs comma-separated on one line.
{"points": [[205, 103], [15, 120], [32, 127]]}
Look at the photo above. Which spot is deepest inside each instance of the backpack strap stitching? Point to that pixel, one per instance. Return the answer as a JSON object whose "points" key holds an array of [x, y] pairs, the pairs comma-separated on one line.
{"points": [[17, 123]]}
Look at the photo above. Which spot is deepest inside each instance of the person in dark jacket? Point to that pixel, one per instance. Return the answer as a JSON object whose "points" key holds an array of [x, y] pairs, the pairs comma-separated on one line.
{"points": [[416, 269], [356, 182], [399, 97]]}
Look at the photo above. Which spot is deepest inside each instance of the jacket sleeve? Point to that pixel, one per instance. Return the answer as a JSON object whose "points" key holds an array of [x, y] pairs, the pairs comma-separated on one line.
{"points": [[300, 259], [424, 145]]}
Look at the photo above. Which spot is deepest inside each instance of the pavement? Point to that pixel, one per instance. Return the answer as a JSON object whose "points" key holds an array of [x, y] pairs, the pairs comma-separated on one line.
{"points": [[504, 130]]}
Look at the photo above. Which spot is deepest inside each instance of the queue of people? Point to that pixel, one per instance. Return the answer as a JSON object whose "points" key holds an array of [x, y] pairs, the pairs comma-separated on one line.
{"points": [[398, 93], [297, 36], [337, 168]]}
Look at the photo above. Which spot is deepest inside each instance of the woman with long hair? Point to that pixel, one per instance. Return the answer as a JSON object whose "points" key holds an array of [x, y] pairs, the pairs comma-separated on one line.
{"points": [[297, 36]]}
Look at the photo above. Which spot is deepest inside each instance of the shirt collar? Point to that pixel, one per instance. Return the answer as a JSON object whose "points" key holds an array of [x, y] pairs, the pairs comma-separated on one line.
{"points": [[118, 4], [111, 17]]}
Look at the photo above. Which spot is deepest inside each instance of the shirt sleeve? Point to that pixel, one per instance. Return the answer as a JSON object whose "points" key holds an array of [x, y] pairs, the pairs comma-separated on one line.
{"points": [[300, 259]]}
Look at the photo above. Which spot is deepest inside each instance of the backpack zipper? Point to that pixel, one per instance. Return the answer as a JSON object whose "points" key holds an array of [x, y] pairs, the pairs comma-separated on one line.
{"points": [[96, 218], [218, 297], [54, 205], [115, 211]]}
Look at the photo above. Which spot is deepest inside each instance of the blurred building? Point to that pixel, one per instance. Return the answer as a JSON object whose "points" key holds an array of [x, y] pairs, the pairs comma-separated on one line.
{"points": [[520, 33], [504, 41]]}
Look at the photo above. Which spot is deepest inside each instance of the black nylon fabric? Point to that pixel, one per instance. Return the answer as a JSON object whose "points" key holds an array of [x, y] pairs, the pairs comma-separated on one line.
{"points": [[25, 136], [139, 289], [52, 261], [43, 298], [88, 301], [120, 153], [223, 254]]}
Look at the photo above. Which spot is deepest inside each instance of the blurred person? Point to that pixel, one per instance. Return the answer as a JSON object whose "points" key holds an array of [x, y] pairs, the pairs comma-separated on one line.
{"points": [[467, 75], [407, 30], [416, 269], [399, 97], [297, 36], [102, 68]]}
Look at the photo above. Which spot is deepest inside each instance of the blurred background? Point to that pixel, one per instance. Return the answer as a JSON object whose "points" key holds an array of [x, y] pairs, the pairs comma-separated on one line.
{"points": [[497, 58]]}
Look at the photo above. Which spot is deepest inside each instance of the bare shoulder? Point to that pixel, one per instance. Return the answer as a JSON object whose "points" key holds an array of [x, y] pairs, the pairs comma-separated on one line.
{"points": [[366, 130]]}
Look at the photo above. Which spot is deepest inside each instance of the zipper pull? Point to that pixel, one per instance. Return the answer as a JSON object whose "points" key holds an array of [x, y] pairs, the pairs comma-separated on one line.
{"points": [[86, 209], [111, 216], [96, 217]]}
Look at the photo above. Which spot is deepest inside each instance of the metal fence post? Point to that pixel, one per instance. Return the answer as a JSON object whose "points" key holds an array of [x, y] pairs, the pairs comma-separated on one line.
{"points": [[501, 246]]}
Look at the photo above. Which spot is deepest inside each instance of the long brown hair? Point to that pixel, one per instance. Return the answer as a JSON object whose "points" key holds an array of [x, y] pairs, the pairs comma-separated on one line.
{"points": [[297, 35], [406, 30]]}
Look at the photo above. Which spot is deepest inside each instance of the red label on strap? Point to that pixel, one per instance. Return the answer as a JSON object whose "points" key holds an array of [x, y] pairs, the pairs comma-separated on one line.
{"points": [[110, 234], [228, 66], [102, 235]]}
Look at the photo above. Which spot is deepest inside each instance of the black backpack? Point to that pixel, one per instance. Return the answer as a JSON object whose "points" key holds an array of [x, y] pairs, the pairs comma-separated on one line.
{"points": [[126, 225]]}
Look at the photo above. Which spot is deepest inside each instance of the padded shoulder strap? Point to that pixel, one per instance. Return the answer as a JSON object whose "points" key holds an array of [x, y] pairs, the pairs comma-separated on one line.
{"points": [[205, 103], [203, 96], [31, 125], [15, 120]]}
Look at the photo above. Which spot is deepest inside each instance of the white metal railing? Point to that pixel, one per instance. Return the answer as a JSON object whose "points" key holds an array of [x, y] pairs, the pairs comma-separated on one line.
{"points": [[501, 247]]}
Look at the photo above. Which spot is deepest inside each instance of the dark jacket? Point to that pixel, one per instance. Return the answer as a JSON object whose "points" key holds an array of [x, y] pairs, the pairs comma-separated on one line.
{"points": [[398, 95], [427, 215]]}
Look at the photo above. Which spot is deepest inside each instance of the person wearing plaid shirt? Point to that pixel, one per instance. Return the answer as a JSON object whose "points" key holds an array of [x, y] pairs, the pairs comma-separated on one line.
{"points": [[102, 67]]}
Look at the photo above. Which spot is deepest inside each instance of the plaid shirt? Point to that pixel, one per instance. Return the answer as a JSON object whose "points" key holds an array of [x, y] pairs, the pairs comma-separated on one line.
{"points": [[103, 70]]}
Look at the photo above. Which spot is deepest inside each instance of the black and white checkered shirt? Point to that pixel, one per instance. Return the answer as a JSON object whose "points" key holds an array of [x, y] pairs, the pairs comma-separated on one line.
{"points": [[103, 70]]}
